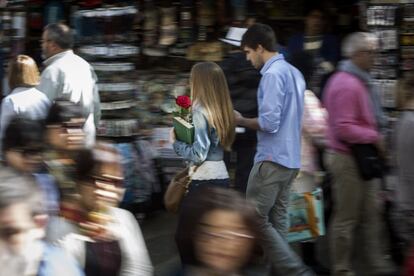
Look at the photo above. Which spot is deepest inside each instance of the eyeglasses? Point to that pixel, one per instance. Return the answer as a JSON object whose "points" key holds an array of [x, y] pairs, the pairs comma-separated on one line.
{"points": [[75, 124], [72, 127], [224, 235], [104, 180]]}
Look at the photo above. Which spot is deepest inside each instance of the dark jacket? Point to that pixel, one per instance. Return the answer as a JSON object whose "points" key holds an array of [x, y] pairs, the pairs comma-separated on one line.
{"points": [[329, 50], [243, 81]]}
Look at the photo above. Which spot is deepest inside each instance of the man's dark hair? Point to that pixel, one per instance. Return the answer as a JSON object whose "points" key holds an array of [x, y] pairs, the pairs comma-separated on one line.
{"points": [[22, 133], [60, 34], [16, 188], [63, 111], [85, 165], [260, 34]]}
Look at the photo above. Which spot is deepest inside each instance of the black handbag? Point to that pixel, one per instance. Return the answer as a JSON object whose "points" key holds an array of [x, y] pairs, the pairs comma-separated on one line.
{"points": [[369, 162]]}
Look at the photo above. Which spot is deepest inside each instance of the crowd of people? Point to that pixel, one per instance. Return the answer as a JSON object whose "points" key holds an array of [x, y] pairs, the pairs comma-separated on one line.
{"points": [[60, 188]]}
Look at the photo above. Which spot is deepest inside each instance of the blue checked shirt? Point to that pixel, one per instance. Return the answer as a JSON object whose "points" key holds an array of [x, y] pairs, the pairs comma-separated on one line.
{"points": [[280, 98]]}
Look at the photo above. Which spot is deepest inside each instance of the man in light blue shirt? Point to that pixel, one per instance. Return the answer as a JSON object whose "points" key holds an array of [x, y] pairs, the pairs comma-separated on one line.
{"points": [[277, 160]]}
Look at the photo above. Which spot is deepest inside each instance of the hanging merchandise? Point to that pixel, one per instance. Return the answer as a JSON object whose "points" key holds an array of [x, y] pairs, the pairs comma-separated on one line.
{"points": [[168, 28], [382, 20], [154, 32], [108, 51], [14, 3], [388, 39], [53, 12], [186, 30], [106, 37], [407, 38], [18, 25], [205, 20], [6, 23], [205, 51], [105, 25], [385, 15]]}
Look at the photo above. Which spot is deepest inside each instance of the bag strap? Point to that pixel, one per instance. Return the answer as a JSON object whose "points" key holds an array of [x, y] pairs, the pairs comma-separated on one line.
{"points": [[193, 172]]}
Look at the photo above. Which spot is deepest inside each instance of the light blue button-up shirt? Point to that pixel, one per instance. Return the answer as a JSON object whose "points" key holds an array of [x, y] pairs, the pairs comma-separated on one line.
{"points": [[280, 98]]}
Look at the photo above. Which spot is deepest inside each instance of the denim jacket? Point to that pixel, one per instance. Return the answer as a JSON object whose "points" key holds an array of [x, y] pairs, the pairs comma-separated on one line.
{"points": [[206, 146]]}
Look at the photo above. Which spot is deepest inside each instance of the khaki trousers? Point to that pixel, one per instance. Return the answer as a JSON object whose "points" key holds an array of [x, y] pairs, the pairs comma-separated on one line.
{"points": [[355, 206]]}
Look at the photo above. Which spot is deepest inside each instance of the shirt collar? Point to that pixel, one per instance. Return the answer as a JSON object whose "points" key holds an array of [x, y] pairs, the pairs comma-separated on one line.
{"points": [[52, 59], [269, 63], [20, 89]]}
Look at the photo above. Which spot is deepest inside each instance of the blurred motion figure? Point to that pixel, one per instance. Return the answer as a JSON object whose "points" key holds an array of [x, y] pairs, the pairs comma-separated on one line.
{"points": [[222, 232], [22, 222], [24, 100], [70, 77]]}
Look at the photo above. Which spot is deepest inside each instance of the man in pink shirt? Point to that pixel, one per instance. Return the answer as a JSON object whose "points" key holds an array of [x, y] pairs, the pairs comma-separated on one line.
{"points": [[355, 117]]}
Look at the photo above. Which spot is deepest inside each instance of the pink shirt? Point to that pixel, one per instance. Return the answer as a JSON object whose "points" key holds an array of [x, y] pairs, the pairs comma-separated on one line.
{"points": [[313, 130], [351, 118]]}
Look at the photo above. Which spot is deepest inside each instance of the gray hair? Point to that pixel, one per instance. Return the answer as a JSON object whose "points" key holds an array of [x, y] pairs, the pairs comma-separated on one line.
{"points": [[16, 188], [358, 41], [60, 34]]}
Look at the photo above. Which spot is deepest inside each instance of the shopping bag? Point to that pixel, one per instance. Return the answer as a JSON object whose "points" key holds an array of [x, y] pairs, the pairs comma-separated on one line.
{"points": [[306, 221]]}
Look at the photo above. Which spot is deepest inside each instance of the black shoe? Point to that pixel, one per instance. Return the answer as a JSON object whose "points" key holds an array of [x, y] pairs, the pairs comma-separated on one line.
{"points": [[320, 269]]}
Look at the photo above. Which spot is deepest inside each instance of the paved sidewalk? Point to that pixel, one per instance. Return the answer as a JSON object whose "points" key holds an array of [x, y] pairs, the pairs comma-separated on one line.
{"points": [[158, 230]]}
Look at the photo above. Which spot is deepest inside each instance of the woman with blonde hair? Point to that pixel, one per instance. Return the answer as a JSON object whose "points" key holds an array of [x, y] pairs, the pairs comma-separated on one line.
{"points": [[214, 131], [24, 100], [213, 119]]}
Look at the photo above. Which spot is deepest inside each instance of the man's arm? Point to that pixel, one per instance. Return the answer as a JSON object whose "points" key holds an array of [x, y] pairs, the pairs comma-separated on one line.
{"points": [[252, 123], [271, 99]]}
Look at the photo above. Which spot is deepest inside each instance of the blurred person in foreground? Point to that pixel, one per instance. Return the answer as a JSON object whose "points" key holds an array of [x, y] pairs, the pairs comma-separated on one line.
{"points": [[23, 147], [355, 117], [22, 223], [280, 99], [24, 100], [104, 239], [64, 138], [243, 81], [222, 232], [404, 156], [314, 126], [69, 76], [323, 48]]}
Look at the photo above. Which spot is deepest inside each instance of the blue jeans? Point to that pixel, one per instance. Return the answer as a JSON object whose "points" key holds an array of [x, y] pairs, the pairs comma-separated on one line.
{"points": [[268, 189], [197, 184]]}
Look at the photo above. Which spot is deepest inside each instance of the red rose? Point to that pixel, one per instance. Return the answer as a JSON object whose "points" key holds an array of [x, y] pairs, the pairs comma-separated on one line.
{"points": [[183, 101]]}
